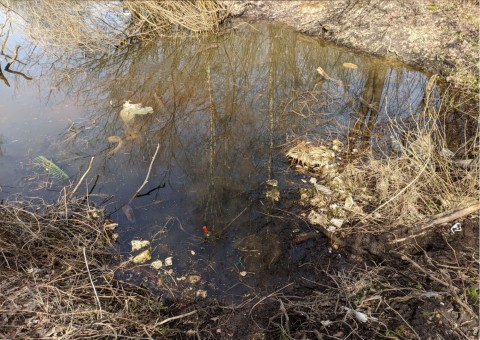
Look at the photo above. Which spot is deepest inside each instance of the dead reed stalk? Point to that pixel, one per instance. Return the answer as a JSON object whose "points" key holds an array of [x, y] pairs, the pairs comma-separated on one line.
{"points": [[57, 277], [69, 26]]}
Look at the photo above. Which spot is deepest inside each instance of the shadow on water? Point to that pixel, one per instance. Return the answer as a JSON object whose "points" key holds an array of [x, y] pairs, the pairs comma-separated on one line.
{"points": [[225, 108]]}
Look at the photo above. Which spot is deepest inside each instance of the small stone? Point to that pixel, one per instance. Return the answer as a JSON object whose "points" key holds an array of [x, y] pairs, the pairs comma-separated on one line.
{"points": [[243, 273]]}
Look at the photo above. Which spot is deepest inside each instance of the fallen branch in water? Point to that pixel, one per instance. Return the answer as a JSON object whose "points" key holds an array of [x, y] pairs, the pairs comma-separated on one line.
{"points": [[162, 185], [83, 176], [146, 177]]}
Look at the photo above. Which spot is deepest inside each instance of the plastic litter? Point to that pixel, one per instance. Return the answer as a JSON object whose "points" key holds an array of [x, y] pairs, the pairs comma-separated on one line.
{"points": [[456, 228], [360, 316], [129, 111], [206, 233], [168, 261]]}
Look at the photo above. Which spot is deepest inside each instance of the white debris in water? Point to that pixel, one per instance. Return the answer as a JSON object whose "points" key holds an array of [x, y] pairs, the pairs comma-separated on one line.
{"points": [[193, 278], [243, 273], [273, 194], [129, 111], [201, 293], [192, 252], [272, 182], [110, 226], [168, 262], [157, 264], [139, 244], [337, 145], [143, 257]]}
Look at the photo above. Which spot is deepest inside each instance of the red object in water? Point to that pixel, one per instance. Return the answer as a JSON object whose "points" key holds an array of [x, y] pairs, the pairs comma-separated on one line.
{"points": [[205, 229]]}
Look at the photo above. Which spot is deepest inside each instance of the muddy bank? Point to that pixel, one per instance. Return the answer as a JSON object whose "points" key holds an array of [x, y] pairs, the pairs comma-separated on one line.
{"points": [[438, 36]]}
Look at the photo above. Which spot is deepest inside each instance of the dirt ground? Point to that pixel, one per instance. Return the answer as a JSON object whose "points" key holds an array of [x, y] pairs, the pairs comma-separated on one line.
{"points": [[439, 36]]}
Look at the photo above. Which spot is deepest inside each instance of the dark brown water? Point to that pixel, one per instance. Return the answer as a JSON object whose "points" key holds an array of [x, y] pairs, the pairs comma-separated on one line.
{"points": [[225, 109]]}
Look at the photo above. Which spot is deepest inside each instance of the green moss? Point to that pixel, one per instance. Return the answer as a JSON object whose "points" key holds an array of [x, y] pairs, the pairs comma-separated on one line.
{"points": [[473, 293]]}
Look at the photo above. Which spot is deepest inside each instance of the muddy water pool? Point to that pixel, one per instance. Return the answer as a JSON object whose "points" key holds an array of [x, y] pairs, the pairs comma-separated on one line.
{"points": [[225, 110]]}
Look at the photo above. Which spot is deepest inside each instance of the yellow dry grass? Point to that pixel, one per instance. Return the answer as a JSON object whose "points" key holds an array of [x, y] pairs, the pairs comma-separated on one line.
{"points": [[70, 26]]}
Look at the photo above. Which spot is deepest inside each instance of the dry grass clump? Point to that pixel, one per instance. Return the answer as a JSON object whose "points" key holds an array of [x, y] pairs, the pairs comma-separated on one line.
{"points": [[419, 172], [69, 26], [156, 17], [56, 278]]}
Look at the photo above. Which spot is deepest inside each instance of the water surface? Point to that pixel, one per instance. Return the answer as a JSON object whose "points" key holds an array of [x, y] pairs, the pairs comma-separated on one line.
{"points": [[226, 108]]}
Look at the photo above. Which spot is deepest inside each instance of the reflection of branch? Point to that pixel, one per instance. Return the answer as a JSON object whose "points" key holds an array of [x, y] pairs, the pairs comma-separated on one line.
{"points": [[12, 60], [15, 55], [150, 191], [19, 73], [2, 77], [5, 41]]}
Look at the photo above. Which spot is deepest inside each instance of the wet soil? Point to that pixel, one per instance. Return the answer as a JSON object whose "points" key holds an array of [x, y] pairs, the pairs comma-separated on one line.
{"points": [[438, 36], [421, 295]]}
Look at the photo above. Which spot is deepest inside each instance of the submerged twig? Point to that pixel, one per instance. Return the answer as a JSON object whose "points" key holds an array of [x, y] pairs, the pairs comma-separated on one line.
{"points": [[162, 185], [147, 176], [83, 176]]}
